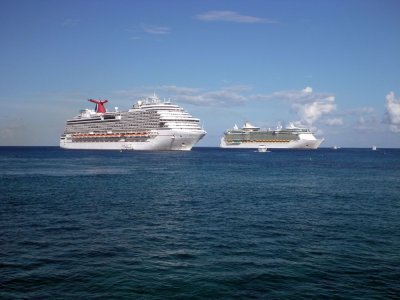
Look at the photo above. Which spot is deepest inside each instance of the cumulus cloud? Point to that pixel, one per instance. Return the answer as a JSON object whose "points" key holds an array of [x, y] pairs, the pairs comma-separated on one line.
{"points": [[311, 112], [230, 16], [393, 112], [362, 118], [367, 123], [305, 95], [307, 104], [180, 91], [363, 121], [153, 29], [227, 96], [334, 121], [359, 110]]}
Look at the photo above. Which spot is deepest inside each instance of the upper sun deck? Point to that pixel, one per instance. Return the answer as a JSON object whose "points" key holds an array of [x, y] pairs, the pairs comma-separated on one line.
{"points": [[248, 128], [148, 110], [155, 103], [99, 111]]}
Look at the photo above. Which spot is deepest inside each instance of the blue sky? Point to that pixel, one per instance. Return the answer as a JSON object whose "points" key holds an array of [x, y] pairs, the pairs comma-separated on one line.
{"points": [[333, 66]]}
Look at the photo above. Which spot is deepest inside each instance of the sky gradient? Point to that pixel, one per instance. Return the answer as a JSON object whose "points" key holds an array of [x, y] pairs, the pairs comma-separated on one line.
{"points": [[333, 66]]}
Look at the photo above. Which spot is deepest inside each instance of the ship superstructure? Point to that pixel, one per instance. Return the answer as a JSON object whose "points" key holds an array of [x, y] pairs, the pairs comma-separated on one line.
{"points": [[151, 124], [250, 136]]}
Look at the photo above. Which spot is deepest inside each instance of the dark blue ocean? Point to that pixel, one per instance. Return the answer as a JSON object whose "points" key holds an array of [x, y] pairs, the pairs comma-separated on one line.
{"points": [[205, 224]]}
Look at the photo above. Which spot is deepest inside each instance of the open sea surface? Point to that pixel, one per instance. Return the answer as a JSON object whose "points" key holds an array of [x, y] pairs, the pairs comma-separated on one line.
{"points": [[205, 224]]}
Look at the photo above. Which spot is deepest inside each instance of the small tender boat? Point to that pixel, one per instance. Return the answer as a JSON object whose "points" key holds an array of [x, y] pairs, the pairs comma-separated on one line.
{"points": [[262, 148]]}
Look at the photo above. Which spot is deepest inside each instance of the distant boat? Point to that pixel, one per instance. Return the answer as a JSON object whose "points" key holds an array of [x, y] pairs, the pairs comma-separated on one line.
{"points": [[262, 148], [335, 147], [373, 148]]}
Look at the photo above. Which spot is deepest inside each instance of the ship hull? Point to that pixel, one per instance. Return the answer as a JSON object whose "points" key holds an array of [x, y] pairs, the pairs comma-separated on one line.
{"points": [[164, 140], [294, 144]]}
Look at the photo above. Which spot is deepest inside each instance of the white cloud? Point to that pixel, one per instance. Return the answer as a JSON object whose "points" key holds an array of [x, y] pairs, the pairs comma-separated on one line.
{"points": [[362, 121], [180, 90], [367, 123], [309, 105], [362, 118], [334, 122], [153, 29], [226, 96], [234, 95], [305, 96], [311, 112], [230, 16], [359, 110], [393, 112]]}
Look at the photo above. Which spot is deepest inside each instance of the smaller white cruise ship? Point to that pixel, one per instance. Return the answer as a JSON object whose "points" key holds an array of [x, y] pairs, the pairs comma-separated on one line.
{"points": [[250, 136], [151, 124]]}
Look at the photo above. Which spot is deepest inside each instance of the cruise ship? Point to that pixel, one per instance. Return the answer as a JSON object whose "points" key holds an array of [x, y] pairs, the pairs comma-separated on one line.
{"points": [[151, 124], [250, 136]]}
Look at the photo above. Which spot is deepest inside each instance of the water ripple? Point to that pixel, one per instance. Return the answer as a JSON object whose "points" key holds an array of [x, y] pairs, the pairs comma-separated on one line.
{"points": [[206, 224]]}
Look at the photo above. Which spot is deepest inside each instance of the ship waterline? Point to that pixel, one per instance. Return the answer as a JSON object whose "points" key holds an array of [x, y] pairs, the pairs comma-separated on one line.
{"points": [[150, 125], [252, 137]]}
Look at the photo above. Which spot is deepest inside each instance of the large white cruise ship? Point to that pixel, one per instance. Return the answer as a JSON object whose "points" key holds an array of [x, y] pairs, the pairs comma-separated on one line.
{"points": [[250, 136], [151, 124]]}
